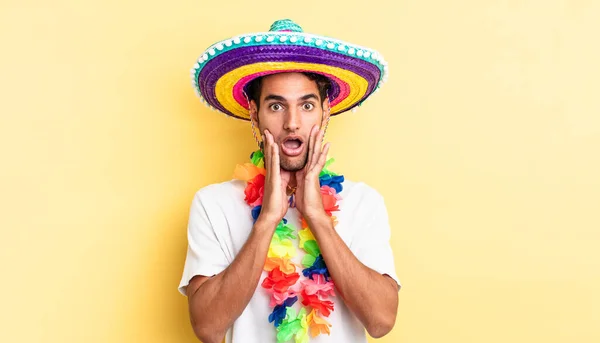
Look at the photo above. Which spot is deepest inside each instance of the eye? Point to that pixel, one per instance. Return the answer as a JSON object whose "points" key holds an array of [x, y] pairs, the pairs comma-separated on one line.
{"points": [[308, 106], [276, 107]]}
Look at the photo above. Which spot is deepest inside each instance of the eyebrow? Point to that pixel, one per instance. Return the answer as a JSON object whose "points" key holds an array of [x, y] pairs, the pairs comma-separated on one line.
{"points": [[282, 99], [309, 96], [274, 97]]}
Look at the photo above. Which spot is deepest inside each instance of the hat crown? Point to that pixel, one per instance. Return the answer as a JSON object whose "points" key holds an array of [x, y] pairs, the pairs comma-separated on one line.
{"points": [[285, 25]]}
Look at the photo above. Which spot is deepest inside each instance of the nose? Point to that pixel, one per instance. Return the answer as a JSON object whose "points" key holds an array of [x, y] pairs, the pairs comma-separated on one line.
{"points": [[292, 120]]}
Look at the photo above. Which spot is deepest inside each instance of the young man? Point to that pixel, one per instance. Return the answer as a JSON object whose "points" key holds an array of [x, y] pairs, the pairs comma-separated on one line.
{"points": [[254, 271]]}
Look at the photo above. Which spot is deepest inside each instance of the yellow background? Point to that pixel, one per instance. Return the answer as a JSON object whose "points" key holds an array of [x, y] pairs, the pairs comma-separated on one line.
{"points": [[485, 143]]}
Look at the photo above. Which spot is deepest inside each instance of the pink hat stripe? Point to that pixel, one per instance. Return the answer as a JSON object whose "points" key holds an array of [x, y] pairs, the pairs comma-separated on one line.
{"points": [[238, 89]]}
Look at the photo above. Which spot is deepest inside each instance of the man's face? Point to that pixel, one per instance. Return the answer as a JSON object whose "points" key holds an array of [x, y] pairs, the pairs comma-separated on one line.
{"points": [[290, 106]]}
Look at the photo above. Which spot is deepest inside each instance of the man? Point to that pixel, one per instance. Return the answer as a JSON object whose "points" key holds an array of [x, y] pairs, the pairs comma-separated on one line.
{"points": [[254, 271]]}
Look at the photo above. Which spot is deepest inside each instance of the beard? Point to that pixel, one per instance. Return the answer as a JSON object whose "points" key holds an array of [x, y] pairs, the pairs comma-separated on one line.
{"points": [[293, 164]]}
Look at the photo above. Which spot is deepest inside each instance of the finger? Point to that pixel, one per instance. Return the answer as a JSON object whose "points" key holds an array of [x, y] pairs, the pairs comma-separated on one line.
{"points": [[275, 163], [267, 153], [322, 158], [317, 147], [271, 143], [311, 145]]}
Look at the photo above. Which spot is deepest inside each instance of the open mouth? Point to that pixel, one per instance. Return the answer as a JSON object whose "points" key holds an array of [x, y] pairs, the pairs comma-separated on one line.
{"points": [[292, 145]]}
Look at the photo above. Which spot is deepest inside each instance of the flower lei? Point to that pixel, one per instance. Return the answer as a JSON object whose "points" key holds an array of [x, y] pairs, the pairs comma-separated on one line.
{"points": [[282, 279]]}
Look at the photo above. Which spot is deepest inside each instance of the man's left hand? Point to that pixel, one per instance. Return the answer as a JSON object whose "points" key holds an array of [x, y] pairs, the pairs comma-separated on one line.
{"points": [[308, 194]]}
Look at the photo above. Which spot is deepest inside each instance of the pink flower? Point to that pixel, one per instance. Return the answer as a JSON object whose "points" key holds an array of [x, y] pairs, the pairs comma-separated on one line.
{"points": [[278, 298], [318, 286], [330, 198]]}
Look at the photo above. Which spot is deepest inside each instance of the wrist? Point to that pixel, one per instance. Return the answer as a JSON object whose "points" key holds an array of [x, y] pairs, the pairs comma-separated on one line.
{"points": [[267, 223], [317, 220]]}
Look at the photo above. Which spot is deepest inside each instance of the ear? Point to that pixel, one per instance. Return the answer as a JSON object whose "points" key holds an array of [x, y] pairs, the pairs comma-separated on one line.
{"points": [[326, 112], [253, 111]]}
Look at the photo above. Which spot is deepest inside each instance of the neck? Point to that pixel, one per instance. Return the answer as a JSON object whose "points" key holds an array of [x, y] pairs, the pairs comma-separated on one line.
{"points": [[292, 183]]}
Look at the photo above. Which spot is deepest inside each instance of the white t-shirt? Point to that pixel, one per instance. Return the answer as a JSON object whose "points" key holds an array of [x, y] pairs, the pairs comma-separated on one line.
{"points": [[220, 223]]}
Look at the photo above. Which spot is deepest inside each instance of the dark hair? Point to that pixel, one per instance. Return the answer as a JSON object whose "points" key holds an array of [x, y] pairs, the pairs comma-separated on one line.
{"points": [[323, 85]]}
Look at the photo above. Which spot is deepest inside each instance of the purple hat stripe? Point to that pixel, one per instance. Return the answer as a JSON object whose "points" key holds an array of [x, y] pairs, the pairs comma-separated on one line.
{"points": [[213, 70]]}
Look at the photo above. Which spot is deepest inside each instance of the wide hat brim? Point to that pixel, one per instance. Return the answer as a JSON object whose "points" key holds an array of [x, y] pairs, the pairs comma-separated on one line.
{"points": [[223, 71]]}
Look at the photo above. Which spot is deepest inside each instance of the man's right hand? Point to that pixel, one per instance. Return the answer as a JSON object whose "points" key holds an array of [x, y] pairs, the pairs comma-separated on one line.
{"points": [[275, 204]]}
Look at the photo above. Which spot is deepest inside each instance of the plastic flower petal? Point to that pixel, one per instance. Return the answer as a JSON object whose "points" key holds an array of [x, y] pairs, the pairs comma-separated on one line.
{"points": [[330, 191], [303, 223], [247, 171], [323, 306], [282, 248], [284, 231], [279, 311], [330, 199], [333, 181], [325, 170], [278, 298], [256, 212], [317, 324], [318, 267], [334, 220], [258, 159], [318, 286], [279, 281], [312, 248], [291, 325], [302, 334], [284, 264], [305, 235], [307, 261], [254, 191]]}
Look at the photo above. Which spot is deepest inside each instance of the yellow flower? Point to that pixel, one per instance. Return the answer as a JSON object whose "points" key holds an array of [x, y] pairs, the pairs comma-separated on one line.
{"points": [[281, 248], [305, 235]]}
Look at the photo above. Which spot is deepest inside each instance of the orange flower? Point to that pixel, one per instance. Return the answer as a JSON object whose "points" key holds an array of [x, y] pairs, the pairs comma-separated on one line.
{"points": [[317, 324], [284, 264], [247, 171], [303, 223]]}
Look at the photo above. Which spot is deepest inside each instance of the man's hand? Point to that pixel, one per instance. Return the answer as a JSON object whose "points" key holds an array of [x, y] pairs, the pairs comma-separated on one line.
{"points": [[308, 194], [275, 204]]}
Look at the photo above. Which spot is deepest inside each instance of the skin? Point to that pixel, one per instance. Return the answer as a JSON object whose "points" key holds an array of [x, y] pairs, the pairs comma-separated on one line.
{"points": [[290, 104]]}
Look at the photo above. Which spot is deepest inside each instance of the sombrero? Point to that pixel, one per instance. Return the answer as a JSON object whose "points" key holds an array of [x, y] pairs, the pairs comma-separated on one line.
{"points": [[221, 74]]}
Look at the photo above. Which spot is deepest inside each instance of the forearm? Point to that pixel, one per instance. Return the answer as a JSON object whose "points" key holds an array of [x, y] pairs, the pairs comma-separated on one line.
{"points": [[220, 300], [372, 297]]}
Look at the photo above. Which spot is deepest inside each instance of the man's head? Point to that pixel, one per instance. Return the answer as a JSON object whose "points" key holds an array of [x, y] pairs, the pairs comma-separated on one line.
{"points": [[289, 105]]}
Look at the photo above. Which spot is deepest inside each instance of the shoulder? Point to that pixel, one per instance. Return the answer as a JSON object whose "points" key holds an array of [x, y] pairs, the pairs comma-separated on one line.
{"points": [[220, 196], [223, 190], [360, 192]]}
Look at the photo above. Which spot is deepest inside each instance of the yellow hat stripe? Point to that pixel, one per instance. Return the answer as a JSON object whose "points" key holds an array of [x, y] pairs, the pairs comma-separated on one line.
{"points": [[224, 86]]}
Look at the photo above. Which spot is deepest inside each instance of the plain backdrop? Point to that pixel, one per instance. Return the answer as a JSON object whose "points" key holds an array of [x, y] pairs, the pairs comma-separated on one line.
{"points": [[485, 143]]}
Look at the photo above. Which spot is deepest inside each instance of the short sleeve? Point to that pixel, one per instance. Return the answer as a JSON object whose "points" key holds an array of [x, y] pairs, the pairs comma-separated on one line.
{"points": [[372, 242], [205, 255]]}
